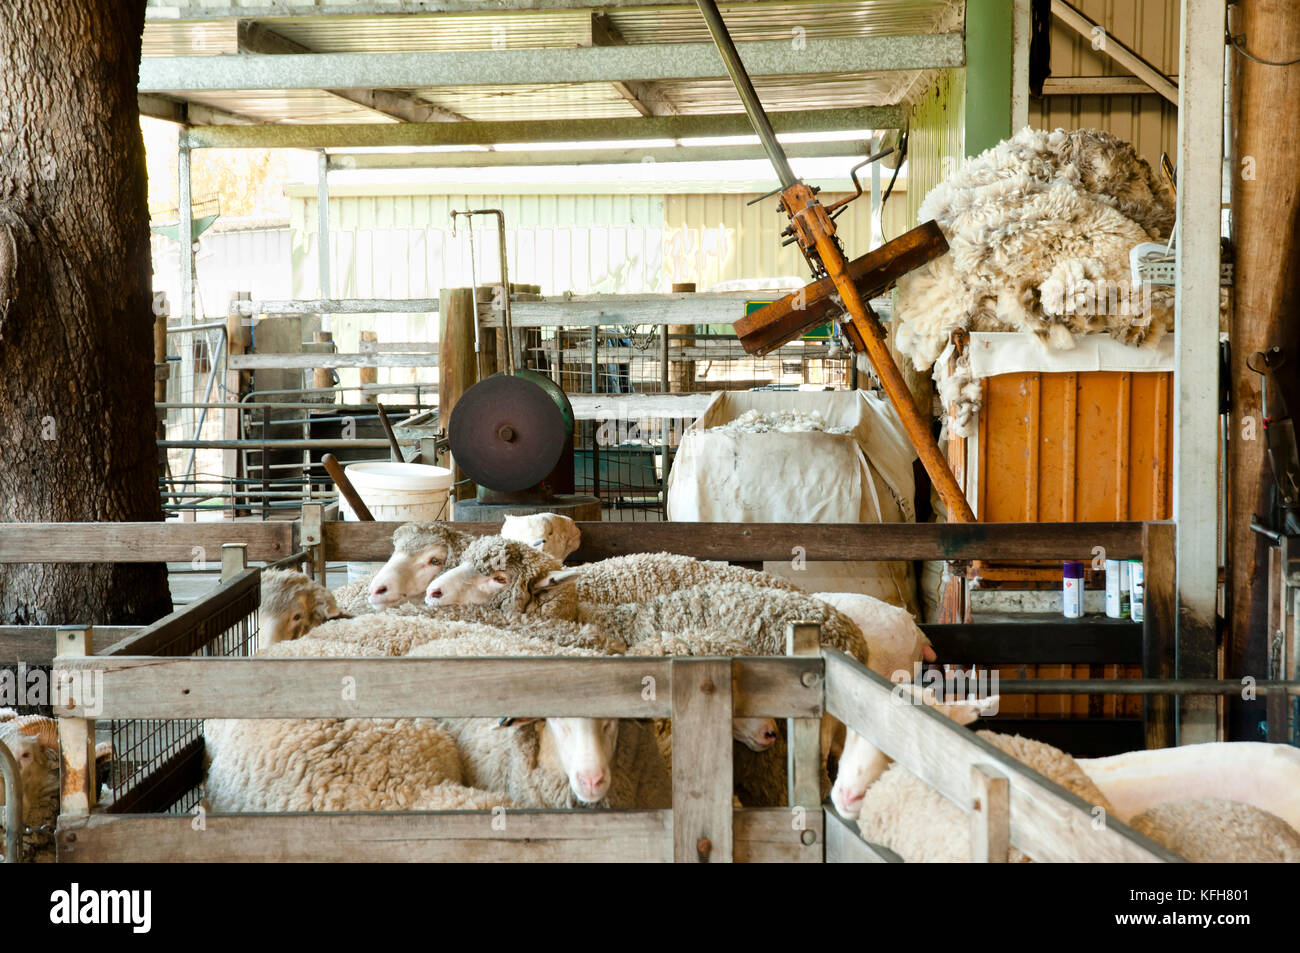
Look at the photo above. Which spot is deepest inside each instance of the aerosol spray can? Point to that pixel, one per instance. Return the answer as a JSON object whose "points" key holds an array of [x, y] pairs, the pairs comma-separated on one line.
{"points": [[1117, 589], [1137, 590], [1072, 591]]}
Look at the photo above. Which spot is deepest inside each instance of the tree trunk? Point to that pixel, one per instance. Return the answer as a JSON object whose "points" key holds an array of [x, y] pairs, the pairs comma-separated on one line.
{"points": [[76, 352]]}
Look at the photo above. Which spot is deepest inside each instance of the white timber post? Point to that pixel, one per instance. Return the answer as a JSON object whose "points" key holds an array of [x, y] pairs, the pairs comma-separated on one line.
{"points": [[312, 538], [323, 234], [1196, 340], [1021, 27], [77, 784], [234, 560], [990, 816], [803, 735]]}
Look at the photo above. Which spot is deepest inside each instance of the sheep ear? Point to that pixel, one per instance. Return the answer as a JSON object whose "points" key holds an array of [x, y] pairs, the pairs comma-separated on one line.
{"points": [[554, 579], [539, 544], [929, 654], [965, 712], [509, 722]]}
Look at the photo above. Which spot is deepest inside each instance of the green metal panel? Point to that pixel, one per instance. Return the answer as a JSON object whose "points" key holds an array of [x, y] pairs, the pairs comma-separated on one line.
{"points": [[936, 140], [989, 51]]}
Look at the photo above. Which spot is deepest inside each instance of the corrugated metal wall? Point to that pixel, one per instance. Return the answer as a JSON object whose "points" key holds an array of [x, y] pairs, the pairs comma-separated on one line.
{"points": [[1150, 122], [255, 259], [400, 246], [935, 137]]}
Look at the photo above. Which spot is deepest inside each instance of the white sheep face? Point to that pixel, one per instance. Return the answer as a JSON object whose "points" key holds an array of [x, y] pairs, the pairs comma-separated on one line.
{"points": [[465, 586], [406, 576], [756, 734], [583, 748], [551, 533]]}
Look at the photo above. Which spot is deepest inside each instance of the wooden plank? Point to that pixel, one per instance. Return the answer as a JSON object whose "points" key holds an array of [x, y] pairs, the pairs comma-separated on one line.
{"points": [[844, 845], [143, 687], [77, 783], [1158, 628], [638, 406], [1047, 822], [990, 815], [778, 688], [139, 542], [1126, 57], [274, 308], [1055, 641], [772, 835], [253, 362], [702, 771], [34, 644], [803, 735], [1099, 86], [756, 542], [376, 837], [187, 629]]}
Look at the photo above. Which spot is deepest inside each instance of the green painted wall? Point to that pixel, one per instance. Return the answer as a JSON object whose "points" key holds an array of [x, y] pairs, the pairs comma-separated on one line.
{"points": [[936, 137], [989, 52]]}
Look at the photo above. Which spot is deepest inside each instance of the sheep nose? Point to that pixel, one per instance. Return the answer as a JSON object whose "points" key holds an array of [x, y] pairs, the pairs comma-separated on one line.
{"points": [[769, 735], [593, 784], [436, 594], [378, 590]]}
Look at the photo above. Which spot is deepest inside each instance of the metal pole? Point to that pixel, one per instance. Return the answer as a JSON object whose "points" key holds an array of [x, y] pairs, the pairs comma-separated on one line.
{"points": [[323, 233], [748, 96]]}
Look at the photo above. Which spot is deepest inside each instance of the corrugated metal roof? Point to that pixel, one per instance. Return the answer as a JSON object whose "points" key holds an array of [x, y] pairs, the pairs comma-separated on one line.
{"points": [[552, 101], [484, 31], [752, 20], [291, 106]]}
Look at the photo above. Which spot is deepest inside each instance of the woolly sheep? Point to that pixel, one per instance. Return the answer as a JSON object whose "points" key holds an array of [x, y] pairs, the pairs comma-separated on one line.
{"points": [[903, 813], [420, 552], [1253, 772], [552, 533], [292, 604], [330, 764], [33, 740], [639, 577], [1215, 830], [554, 762]]}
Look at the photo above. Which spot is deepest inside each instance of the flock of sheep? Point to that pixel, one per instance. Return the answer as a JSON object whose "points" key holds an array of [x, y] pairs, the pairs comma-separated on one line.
{"points": [[444, 594]]}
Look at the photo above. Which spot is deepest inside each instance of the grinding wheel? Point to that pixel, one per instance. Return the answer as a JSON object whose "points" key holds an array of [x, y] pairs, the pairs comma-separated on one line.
{"points": [[507, 433]]}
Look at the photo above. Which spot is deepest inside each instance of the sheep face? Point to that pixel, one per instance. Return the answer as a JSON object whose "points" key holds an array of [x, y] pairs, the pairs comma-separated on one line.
{"points": [[406, 576], [862, 763], [551, 533], [583, 749], [292, 605], [36, 774], [472, 585], [756, 734], [420, 552]]}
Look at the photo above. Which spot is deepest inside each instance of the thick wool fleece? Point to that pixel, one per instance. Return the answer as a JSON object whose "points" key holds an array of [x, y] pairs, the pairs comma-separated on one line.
{"points": [[38, 766], [753, 616], [1035, 226], [903, 813], [640, 577], [353, 598], [519, 561], [325, 764], [1213, 831], [507, 760]]}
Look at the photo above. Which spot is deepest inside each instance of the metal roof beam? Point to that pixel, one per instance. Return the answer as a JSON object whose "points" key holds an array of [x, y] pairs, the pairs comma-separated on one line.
{"points": [[480, 160], [375, 135], [257, 38], [179, 111], [171, 11], [595, 64], [646, 98]]}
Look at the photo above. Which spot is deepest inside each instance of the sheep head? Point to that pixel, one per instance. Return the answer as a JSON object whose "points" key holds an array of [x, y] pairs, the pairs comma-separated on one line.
{"points": [[292, 605], [551, 533], [420, 552], [582, 749], [499, 573]]}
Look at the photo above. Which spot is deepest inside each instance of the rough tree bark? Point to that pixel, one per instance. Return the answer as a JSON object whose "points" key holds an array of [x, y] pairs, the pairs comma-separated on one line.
{"points": [[76, 353]]}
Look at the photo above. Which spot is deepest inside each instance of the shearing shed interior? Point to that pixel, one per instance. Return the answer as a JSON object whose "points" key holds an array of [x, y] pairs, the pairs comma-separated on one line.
{"points": [[650, 431]]}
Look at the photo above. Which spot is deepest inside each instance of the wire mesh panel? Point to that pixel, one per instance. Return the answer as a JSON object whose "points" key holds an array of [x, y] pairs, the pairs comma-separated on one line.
{"points": [[625, 462], [157, 763]]}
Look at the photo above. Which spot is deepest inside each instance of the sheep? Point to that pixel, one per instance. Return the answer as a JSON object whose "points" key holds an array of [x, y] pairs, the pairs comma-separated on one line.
{"points": [[639, 577], [1216, 830], [330, 764], [550, 532], [292, 604], [33, 740], [397, 631], [554, 762], [1253, 772], [420, 552], [903, 813]]}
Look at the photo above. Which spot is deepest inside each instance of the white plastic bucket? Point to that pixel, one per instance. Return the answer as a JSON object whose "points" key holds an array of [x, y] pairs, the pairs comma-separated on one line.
{"points": [[396, 491]]}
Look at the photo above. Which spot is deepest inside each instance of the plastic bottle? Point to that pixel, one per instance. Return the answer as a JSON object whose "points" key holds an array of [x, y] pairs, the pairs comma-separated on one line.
{"points": [[1137, 590], [1072, 590], [1117, 591]]}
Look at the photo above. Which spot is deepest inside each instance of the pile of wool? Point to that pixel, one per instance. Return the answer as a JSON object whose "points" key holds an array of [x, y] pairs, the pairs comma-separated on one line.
{"points": [[778, 421], [1039, 229]]}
